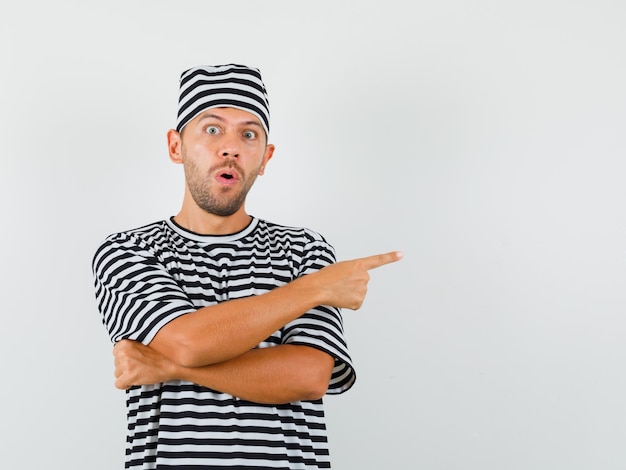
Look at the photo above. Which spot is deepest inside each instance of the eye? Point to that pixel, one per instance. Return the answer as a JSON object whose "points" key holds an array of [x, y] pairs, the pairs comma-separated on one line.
{"points": [[249, 134], [212, 130]]}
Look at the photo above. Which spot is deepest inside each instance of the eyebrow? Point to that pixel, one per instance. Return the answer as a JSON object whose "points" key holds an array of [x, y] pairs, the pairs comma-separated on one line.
{"points": [[208, 115]]}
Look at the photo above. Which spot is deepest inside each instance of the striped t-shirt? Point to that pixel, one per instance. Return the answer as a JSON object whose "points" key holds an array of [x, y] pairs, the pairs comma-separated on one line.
{"points": [[146, 277]]}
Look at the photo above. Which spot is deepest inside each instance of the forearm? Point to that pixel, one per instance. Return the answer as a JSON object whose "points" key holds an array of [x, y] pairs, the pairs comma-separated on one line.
{"points": [[279, 374], [227, 330]]}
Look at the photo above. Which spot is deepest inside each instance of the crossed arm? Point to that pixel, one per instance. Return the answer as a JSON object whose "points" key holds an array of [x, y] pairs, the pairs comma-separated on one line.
{"points": [[214, 345], [280, 374]]}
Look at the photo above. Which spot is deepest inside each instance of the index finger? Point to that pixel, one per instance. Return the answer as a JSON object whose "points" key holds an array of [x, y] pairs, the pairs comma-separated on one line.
{"points": [[376, 261]]}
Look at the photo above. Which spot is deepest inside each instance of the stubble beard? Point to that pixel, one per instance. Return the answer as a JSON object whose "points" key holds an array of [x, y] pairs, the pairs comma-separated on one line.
{"points": [[221, 201]]}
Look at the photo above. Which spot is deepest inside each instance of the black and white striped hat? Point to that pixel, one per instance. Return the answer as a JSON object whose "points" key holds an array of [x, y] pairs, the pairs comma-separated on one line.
{"points": [[212, 86]]}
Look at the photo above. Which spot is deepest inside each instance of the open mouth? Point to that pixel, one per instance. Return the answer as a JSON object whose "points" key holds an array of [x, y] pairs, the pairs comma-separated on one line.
{"points": [[227, 176]]}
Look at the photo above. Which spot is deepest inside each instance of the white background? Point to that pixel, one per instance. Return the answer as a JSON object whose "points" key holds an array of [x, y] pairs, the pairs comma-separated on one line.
{"points": [[485, 139]]}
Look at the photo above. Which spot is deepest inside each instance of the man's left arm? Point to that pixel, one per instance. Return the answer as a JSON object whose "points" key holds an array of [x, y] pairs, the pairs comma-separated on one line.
{"points": [[273, 375]]}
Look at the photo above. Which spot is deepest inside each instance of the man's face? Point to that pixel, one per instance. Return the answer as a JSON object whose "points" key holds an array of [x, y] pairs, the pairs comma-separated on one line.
{"points": [[223, 150]]}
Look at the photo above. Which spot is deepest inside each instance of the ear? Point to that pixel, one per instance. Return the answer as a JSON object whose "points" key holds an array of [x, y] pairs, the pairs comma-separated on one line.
{"points": [[269, 151], [174, 145]]}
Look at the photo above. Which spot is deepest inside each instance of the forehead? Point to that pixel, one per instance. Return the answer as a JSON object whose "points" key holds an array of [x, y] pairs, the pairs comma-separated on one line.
{"points": [[228, 115]]}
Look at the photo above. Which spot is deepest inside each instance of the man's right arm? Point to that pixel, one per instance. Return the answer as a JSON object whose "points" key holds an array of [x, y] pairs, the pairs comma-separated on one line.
{"points": [[220, 332]]}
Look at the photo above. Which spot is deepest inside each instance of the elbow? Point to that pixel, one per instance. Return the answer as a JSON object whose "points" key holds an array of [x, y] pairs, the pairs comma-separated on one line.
{"points": [[316, 383], [316, 391]]}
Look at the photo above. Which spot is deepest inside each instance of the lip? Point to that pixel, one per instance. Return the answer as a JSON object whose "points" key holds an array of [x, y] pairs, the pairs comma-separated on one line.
{"points": [[227, 176]]}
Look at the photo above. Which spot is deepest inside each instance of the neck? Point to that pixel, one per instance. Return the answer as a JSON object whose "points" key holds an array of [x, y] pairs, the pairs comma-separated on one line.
{"points": [[204, 223]]}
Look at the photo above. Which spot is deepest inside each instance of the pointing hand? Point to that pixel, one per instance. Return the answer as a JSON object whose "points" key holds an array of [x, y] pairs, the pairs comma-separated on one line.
{"points": [[344, 284]]}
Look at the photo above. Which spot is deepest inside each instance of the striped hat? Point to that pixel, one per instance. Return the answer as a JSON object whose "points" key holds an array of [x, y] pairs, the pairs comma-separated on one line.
{"points": [[213, 86]]}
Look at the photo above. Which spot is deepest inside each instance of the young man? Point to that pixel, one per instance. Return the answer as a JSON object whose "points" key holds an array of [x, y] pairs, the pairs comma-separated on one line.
{"points": [[227, 328]]}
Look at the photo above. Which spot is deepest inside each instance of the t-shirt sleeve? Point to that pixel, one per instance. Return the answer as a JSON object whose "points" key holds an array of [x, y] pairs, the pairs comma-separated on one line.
{"points": [[135, 294], [322, 327]]}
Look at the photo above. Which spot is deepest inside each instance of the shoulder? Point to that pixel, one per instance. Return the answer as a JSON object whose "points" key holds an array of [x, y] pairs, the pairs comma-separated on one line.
{"points": [[307, 246], [151, 231], [145, 237], [303, 234]]}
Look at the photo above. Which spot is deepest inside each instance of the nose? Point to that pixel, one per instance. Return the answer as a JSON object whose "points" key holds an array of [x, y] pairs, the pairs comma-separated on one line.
{"points": [[229, 146], [230, 153]]}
